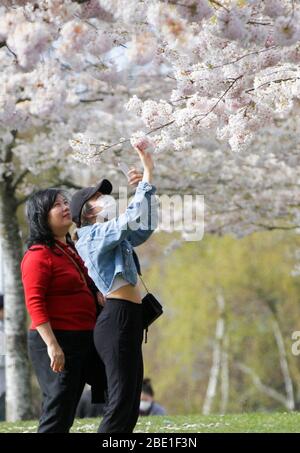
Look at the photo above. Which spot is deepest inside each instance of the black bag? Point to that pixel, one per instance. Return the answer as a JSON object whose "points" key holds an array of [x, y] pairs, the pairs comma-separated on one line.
{"points": [[151, 307]]}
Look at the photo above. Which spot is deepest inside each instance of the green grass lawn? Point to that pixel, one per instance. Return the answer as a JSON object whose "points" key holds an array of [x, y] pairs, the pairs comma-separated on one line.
{"points": [[241, 423]]}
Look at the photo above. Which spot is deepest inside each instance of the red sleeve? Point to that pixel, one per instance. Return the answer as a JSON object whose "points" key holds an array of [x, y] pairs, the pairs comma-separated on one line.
{"points": [[36, 271]]}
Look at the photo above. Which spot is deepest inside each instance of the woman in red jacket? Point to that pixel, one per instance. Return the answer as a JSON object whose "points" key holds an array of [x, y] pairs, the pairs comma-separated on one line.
{"points": [[60, 300]]}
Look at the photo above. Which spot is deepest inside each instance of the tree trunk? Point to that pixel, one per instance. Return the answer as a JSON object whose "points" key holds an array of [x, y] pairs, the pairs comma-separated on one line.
{"points": [[288, 400], [18, 389], [288, 383], [217, 357], [224, 376]]}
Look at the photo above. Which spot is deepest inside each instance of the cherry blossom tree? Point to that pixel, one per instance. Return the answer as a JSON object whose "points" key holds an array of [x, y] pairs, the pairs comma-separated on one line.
{"points": [[211, 87]]}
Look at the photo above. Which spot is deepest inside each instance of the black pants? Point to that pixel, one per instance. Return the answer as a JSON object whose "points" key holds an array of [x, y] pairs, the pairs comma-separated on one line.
{"points": [[118, 338], [2, 407], [61, 391]]}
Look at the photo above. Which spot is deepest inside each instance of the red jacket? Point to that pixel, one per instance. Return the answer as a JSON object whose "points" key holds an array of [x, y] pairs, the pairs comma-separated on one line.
{"points": [[55, 291]]}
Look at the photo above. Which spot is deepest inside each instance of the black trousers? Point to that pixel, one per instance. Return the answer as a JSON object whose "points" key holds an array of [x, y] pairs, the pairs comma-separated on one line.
{"points": [[2, 407], [61, 391], [118, 338]]}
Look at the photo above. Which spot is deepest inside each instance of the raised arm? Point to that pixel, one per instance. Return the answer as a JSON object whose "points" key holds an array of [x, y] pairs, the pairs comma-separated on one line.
{"points": [[112, 232]]}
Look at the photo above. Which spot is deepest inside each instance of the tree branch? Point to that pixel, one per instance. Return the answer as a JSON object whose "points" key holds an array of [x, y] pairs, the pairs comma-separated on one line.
{"points": [[11, 51], [92, 100], [243, 56], [290, 399], [259, 384], [19, 178], [215, 2], [8, 149], [273, 81], [22, 200], [274, 227], [219, 100]]}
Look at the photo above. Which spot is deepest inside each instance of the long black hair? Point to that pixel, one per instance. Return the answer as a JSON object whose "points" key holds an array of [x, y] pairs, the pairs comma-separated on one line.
{"points": [[37, 210]]}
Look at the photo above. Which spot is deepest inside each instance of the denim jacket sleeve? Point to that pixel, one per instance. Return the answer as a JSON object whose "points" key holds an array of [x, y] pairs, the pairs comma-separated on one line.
{"points": [[109, 234], [148, 220]]}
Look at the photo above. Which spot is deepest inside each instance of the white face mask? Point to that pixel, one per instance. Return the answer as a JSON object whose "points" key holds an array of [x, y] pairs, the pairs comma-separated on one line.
{"points": [[145, 405], [108, 206]]}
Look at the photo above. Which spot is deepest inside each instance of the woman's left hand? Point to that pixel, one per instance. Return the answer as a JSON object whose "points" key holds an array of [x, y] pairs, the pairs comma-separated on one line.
{"points": [[134, 177], [100, 299]]}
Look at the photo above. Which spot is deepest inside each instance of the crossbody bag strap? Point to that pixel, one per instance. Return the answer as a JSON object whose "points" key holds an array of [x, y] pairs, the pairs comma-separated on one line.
{"points": [[74, 262], [144, 284], [138, 268]]}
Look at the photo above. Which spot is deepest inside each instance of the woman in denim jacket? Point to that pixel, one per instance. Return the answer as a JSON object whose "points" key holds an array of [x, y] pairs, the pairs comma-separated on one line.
{"points": [[106, 246]]}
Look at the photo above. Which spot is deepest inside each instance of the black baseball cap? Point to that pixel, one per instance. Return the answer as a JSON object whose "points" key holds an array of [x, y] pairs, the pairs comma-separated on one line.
{"points": [[83, 195]]}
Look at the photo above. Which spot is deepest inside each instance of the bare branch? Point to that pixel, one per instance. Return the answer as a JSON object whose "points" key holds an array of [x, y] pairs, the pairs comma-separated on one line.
{"points": [[274, 227], [273, 81], [11, 51], [92, 100], [253, 22], [215, 2], [243, 56], [259, 384]]}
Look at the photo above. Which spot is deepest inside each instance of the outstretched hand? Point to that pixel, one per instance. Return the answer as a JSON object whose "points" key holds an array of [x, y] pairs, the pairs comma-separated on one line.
{"points": [[134, 176], [146, 158]]}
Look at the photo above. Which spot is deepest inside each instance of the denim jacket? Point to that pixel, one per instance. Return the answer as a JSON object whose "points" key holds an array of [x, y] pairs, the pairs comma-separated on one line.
{"points": [[107, 248]]}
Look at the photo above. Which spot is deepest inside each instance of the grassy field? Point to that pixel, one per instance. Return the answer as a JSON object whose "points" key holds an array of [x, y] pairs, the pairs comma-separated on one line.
{"points": [[241, 423]]}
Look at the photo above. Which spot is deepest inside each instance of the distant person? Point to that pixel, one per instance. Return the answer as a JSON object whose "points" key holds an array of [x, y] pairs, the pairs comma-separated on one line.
{"points": [[86, 409], [147, 404], [2, 362]]}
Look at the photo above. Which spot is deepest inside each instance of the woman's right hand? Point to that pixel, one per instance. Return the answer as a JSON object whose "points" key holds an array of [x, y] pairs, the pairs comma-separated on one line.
{"points": [[146, 159], [57, 357]]}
